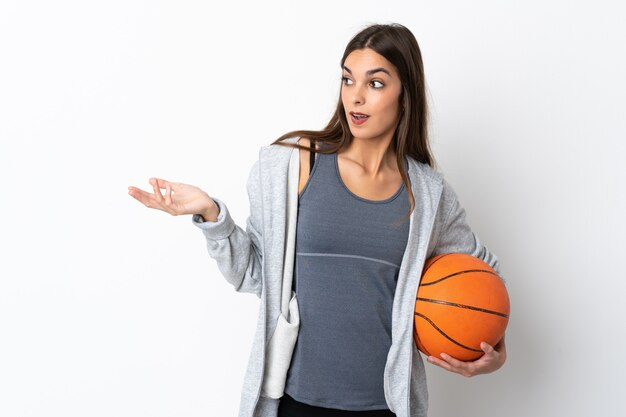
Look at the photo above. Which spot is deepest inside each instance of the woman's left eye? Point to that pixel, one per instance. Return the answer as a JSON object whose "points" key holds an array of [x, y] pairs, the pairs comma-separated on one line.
{"points": [[381, 84]]}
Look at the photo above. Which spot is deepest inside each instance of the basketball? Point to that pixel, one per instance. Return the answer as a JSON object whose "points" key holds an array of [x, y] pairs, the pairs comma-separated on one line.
{"points": [[461, 301]]}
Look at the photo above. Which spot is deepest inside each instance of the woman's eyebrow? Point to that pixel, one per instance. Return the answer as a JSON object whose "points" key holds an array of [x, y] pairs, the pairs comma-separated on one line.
{"points": [[370, 72]]}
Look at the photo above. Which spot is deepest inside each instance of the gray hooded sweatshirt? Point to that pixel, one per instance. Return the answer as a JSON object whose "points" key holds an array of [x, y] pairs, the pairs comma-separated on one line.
{"points": [[259, 260]]}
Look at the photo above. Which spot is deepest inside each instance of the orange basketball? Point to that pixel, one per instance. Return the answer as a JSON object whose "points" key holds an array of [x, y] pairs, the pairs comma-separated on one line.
{"points": [[461, 301]]}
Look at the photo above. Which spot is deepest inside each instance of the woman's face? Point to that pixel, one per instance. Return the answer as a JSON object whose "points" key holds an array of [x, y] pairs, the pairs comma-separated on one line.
{"points": [[370, 85]]}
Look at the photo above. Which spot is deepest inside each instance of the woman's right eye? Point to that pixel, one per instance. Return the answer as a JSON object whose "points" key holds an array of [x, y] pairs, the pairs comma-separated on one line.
{"points": [[344, 79]]}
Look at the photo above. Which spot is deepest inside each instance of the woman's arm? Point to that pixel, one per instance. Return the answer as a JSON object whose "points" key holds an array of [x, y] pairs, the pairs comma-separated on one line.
{"points": [[456, 236], [238, 252]]}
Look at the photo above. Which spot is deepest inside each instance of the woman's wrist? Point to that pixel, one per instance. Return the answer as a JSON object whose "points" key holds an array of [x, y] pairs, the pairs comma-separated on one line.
{"points": [[211, 214]]}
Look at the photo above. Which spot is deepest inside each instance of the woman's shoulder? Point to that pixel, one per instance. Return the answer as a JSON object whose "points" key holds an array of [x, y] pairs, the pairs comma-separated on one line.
{"points": [[429, 181], [276, 150], [425, 170]]}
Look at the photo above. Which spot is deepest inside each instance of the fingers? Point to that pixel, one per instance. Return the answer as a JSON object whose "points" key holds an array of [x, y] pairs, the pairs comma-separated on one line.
{"points": [[161, 183], [164, 183], [451, 364], [439, 362], [158, 184], [155, 200], [141, 196], [452, 361], [486, 347], [467, 369], [168, 194], [489, 362], [157, 192]]}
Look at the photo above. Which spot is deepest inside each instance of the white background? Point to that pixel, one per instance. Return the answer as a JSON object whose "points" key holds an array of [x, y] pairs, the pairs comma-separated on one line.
{"points": [[108, 308]]}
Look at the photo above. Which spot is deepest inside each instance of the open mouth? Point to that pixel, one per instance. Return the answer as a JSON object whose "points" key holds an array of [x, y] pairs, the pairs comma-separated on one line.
{"points": [[358, 118], [358, 115]]}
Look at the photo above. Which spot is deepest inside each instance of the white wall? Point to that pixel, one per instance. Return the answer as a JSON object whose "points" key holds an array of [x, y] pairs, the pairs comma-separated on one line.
{"points": [[110, 308]]}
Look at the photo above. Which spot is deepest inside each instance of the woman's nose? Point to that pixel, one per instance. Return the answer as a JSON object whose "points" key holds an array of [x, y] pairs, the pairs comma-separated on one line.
{"points": [[358, 96]]}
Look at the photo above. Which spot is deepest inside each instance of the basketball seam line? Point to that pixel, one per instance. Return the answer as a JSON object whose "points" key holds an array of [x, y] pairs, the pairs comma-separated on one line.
{"points": [[445, 335], [449, 303], [458, 273]]}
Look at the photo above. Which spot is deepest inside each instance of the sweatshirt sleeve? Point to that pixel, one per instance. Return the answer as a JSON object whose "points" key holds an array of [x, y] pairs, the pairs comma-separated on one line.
{"points": [[238, 252], [456, 236]]}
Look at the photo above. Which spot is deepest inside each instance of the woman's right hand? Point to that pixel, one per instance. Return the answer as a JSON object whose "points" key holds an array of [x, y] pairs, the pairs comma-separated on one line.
{"points": [[179, 199]]}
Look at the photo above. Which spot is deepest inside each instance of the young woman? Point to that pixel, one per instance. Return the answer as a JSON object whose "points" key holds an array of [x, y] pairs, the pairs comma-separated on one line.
{"points": [[358, 209]]}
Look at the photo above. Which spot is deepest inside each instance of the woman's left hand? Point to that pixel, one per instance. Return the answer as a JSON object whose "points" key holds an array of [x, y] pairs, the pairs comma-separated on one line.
{"points": [[491, 361]]}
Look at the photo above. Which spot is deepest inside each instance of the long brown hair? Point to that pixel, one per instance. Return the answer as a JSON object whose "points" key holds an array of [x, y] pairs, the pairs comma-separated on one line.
{"points": [[398, 45]]}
